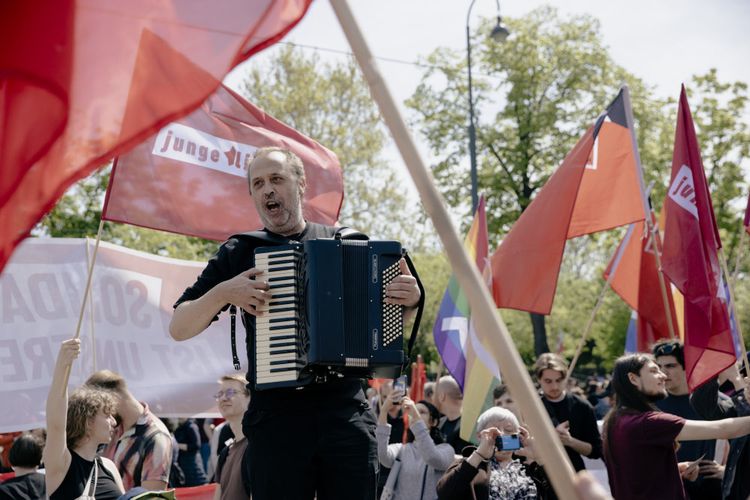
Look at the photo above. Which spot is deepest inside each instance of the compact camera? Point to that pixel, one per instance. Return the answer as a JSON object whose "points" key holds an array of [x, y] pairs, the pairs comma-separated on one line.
{"points": [[509, 442]]}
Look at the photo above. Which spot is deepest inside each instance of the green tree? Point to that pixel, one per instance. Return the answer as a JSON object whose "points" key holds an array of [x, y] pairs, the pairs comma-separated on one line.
{"points": [[331, 103], [536, 95]]}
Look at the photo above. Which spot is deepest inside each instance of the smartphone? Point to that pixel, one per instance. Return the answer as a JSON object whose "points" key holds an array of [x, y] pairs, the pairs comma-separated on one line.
{"points": [[400, 384], [509, 442]]}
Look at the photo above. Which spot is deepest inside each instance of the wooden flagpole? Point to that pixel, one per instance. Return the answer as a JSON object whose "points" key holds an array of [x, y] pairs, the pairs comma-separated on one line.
{"points": [[651, 227], [743, 349], [738, 257], [484, 313], [86, 292], [589, 324]]}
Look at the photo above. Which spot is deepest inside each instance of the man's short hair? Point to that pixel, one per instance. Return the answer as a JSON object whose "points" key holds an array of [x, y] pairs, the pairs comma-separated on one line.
{"points": [[292, 160], [499, 391], [26, 452], [107, 380], [447, 385], [550, 361], [236, 377], [669, 347]]}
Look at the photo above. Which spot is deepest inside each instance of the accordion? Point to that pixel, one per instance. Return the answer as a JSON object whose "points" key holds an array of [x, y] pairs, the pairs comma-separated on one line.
{"points": [[327, 316]]}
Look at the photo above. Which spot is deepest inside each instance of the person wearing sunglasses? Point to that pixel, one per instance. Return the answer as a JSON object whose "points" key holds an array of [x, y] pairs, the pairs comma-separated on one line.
{"points": [[232, 400], [701, 475]]}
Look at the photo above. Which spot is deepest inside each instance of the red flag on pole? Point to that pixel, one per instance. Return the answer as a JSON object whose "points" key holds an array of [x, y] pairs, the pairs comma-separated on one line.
{"points": [[78, 67], [597, 187], [196, 168], [690, 257], [634, 278]]}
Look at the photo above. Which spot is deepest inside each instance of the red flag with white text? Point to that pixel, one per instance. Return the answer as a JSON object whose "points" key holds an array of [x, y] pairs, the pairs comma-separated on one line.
{"points": [[82, 81], [191, 177], [690, 257]]}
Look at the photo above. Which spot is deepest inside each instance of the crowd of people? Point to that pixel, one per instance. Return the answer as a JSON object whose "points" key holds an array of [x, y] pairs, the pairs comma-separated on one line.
{"points": [[337, 439]]}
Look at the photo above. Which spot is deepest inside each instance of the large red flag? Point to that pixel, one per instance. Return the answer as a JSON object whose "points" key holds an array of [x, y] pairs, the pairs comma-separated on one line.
{"points": [[597, 187], [635, 278], [84, 80], [190, 178], [690, 257]]}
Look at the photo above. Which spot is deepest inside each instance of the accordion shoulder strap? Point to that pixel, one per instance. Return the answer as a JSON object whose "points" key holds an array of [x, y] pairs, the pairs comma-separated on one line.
{"points": [[420, 309]]}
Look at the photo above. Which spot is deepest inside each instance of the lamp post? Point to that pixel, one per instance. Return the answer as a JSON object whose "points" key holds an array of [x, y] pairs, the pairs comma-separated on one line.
{"points": [[499, 33]]}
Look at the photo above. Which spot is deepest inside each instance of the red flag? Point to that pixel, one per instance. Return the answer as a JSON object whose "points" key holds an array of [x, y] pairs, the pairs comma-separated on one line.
{"points": [[597, 187], [87, 80], [418, 380], [634, 278], [195, 168], [690, 258]]}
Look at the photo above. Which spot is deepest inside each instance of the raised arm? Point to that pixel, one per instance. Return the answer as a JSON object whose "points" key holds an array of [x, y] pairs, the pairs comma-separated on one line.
{"points": [[437, 457], [56, 455], [728, 428]]}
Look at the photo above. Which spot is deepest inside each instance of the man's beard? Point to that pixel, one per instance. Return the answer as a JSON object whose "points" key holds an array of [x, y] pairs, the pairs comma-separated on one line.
{"points": [[658, 396]]}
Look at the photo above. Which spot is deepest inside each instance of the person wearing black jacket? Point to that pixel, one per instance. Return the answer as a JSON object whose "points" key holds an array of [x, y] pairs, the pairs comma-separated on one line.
{"points": [[573, 417], [711, 404], [332, 445]]}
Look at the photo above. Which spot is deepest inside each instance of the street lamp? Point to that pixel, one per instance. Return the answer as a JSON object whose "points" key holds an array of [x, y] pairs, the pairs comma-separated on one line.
{"points": [[499, 34]]}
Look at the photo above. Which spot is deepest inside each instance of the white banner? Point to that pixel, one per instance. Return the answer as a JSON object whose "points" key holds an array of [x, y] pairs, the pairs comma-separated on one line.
{"points": [[125, 329]]}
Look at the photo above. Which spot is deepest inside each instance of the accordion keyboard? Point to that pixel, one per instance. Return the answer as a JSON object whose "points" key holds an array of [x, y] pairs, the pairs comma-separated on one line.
{"points": [[278, 349]]}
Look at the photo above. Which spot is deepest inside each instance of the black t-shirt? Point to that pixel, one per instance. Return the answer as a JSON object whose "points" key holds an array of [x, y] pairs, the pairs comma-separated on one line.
{"points": [[580, 415], [26, 487], [77, 476], [688, 450], [237, 255], [451, 429]]}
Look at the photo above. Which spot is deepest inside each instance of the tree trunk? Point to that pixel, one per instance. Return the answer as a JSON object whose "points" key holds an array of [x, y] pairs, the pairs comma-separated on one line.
{"points": [[540, 334]]}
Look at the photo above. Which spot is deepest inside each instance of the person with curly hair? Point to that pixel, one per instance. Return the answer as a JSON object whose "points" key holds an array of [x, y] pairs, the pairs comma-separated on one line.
{"points": [[76, 427]]}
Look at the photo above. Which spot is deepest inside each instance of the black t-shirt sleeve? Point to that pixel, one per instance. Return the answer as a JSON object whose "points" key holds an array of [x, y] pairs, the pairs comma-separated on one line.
{"points": [[218, 269]]}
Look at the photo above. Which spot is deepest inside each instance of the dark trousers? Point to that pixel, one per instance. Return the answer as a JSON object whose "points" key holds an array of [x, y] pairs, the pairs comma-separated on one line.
{"points": [[296, 454]]}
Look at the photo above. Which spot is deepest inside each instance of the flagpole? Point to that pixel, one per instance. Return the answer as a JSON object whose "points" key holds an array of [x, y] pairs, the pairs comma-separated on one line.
{"points": [[484, 312], [725, 270], [651, 227], [740, 253], [587, 330], [86, 292]]}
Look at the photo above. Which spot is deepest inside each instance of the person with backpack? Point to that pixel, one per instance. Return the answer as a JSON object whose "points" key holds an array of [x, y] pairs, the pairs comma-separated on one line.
{"points": [[141, 446], [232, 399]]}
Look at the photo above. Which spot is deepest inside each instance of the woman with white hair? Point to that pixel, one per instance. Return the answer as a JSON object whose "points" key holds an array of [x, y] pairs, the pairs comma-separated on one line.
{"points": [[489, 473]]}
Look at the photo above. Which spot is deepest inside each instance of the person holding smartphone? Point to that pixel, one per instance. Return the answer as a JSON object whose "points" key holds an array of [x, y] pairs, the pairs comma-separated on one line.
{"points": [[491, 470], [417, 465]]}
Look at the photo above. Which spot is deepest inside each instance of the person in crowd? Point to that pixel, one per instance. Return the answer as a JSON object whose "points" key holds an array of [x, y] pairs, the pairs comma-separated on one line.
{"points": [[429, 392], [233, 399], [25, 455], [639, 440], [572, 416], [76, 427], [502, 398], [711, 404], [486, 472], [221, 434], [417, 465], [335, 449], [141, 446], [449, 401], [669, 355], [189, 445]]}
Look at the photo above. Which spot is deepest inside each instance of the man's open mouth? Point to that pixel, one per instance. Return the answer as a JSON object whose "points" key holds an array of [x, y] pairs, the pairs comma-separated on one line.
{"points": [[272, 206]]}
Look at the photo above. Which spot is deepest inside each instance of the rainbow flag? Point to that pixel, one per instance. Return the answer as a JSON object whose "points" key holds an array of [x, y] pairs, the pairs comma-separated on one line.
{"points": [[461, 347]]}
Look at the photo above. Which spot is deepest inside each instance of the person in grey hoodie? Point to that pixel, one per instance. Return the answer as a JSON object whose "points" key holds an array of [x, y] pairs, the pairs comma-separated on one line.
{"points": [[417, 465]]}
